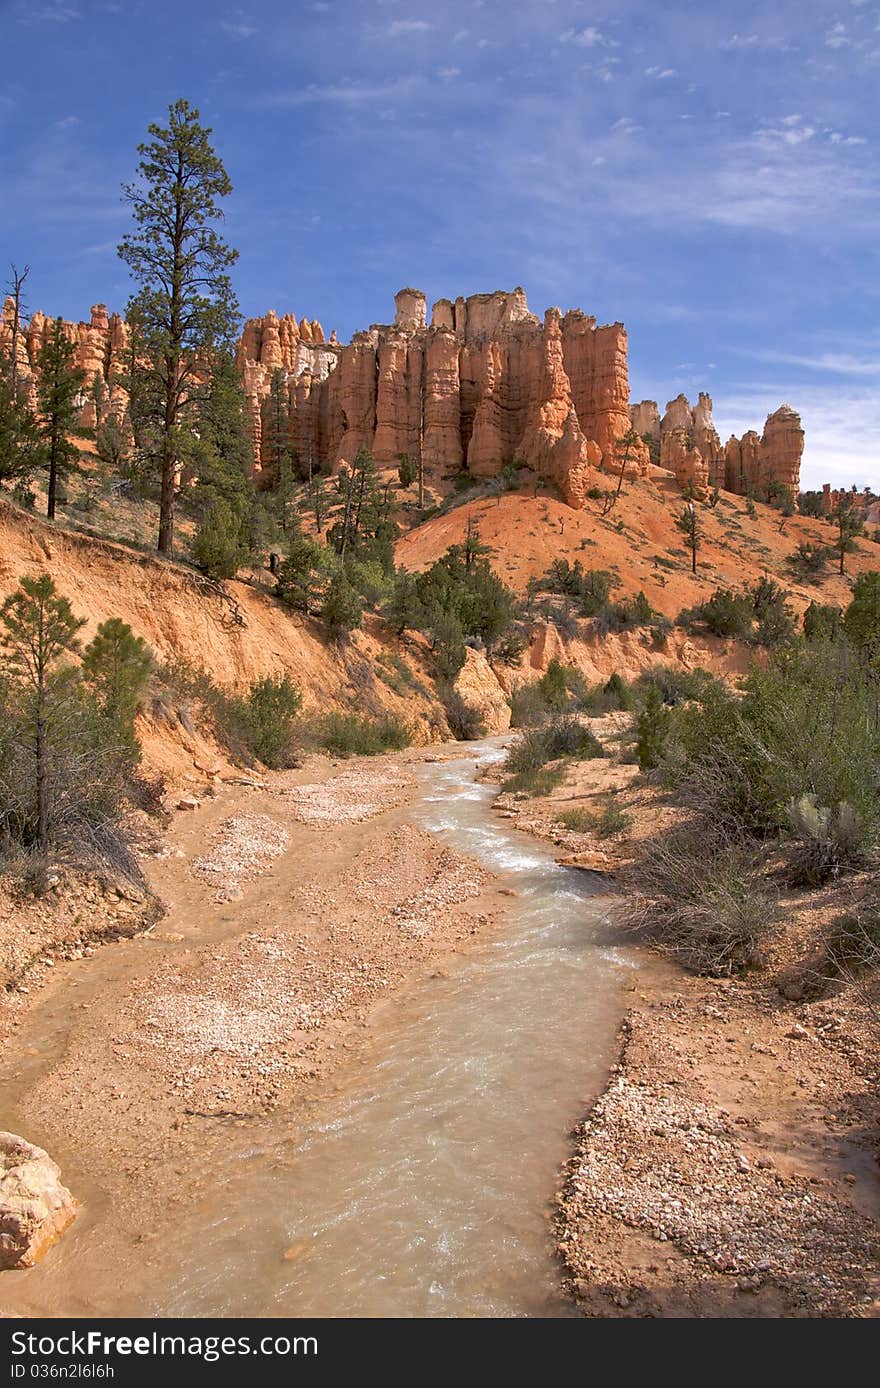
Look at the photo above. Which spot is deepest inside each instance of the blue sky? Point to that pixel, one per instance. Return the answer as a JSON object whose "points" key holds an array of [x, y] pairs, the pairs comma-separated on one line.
{"points": [[706, 173]]}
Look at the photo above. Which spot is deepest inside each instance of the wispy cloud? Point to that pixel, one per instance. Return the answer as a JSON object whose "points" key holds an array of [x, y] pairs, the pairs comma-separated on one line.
{"points": [[753, 43], [661, 74], [399, 27], [238, 31], [837, 37], [343, 93], [48, 14], [590, 37]]}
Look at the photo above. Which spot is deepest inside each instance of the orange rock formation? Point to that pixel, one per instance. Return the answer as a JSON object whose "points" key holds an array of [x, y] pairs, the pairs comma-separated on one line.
{"points": [[690, 447], [483, 386]]}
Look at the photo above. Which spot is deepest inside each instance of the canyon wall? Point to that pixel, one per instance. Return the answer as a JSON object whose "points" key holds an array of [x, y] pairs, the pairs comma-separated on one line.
{"points": [[485, 384], [100, 344], [689, 447]]}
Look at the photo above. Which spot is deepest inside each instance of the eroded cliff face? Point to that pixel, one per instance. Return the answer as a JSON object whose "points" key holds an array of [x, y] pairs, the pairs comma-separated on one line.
{"points": [[483, 385], [101, 346], [690, 448]]}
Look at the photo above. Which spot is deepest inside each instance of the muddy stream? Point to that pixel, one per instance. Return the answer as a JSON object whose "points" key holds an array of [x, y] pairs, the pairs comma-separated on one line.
{"points": [[419, 1184]]}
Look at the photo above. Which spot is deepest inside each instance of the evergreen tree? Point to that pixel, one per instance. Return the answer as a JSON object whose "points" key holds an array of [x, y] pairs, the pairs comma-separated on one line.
{"points": [[404, 610], [21, 448], [220, 546], [849, 524], [861, 620], [689, 525], [15, 290], [278, 454], [302, 577], [342, 609], [59, 397], [116, 665], [652, 729], [185, 307], [39, 628]]}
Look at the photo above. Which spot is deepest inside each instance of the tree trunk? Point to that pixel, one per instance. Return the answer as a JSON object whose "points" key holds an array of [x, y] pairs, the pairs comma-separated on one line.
{"points": [[42, 786], [693, 561], [53, 481], [166, 503]]}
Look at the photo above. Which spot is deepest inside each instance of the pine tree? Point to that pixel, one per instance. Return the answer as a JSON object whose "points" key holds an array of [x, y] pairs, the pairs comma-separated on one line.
{"points": [[689, 525], [185, 307], [116, 665], [342, 609], [21, 448], [849, 524], [276, 445], [39, 628], [59, 398]]}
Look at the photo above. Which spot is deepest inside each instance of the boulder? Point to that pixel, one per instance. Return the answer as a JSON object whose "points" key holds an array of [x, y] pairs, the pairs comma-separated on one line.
{"points": [[35, 1208]]}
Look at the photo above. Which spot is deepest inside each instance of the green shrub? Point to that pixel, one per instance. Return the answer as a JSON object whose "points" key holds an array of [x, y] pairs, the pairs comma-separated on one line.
{"points": [[349, 735], [341, 609], [535, 781], [825, 840], [701, 896], [822, 621], [610, 822], [564, 738], [267, 715], [727, 613], [652, 729], [219, 546], [806, 726], [618, 695]]}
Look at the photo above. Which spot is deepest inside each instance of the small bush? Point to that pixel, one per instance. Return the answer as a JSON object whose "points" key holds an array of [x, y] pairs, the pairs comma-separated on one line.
{"points": [[349, 735], [608, 823], [701, 896], [652, 729], [564, 738], [826, 840], [267, 717], [536, 781], [465, 722], [853, 942]]}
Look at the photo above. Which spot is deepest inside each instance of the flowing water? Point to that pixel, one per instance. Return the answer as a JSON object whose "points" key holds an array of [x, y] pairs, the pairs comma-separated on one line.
{"points": [[422, 1188], [421, 1185]]}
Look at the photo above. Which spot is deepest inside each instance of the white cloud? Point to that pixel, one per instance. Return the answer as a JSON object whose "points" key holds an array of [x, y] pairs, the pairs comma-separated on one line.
{"points": [[754, 42], [66, 122], [398, 27], [837, 37], [48, 14], [625, 126], [342, 93], [661, 74], [237, 31], [588, 38], [448, 73]]}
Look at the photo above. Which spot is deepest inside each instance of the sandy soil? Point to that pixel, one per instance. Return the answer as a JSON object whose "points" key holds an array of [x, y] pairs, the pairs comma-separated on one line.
{"points": [[293, 910]]}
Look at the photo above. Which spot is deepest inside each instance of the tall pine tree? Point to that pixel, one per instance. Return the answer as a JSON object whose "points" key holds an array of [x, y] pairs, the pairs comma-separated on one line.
{"points": [[185, 307], [59, 401]]}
